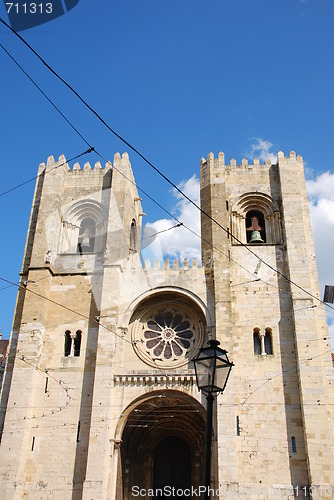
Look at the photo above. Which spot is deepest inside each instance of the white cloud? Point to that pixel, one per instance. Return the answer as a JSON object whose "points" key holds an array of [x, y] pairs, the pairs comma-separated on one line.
{"points": [[261, 149], [182, 244], [320, 191], [321, 203], [331, 334], [321, 187], [179, 242]]}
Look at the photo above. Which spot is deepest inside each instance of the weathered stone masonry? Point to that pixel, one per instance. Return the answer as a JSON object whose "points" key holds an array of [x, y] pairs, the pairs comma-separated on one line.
{"points": [[94, 390]]}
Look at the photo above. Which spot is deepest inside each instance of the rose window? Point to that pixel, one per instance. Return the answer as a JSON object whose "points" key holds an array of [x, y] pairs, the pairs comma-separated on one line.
{"points": [[167, 337]]}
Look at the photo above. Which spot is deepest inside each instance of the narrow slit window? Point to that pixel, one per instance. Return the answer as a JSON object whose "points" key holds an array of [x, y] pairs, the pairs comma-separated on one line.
{"points": [[293, 444], [78, 432], [238, 426], [133, 236], [257, 341], [68, 343], [268, 341], [77, 343]]}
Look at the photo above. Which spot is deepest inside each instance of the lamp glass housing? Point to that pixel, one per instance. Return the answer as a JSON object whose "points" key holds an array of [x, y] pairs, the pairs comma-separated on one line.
{"points": [[212, 368]]}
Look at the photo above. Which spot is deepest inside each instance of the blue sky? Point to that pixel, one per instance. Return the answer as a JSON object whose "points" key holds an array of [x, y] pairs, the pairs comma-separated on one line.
{"points": [[177, 79]]}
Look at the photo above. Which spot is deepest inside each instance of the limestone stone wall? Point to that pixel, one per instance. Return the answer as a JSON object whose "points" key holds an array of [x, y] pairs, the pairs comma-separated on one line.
{"points": [[69, 420]]}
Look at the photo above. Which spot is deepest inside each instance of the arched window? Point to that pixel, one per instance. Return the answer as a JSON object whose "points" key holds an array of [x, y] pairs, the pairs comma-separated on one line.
{"points": [[255, 227], [263, 342], [86, 239], [257, 341], [255, 211], [68, 343], [268, 341], [77, 343], [72, 343], [84, 228]]}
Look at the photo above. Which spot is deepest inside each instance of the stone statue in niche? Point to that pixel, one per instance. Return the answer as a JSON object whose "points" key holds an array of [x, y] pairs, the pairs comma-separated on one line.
{"points": [[85, 242]]}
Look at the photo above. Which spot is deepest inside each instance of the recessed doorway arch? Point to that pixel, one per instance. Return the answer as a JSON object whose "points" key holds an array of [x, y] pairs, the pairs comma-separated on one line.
{"points": [[161, 427]]}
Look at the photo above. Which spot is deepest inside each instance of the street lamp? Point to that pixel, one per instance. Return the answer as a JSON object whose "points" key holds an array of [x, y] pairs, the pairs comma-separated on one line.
{"points": [[329, 294], [212, 368]]}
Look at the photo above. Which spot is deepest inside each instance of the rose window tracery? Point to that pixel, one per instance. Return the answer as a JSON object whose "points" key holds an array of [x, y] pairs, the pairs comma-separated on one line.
{"points": [[167, 336]]}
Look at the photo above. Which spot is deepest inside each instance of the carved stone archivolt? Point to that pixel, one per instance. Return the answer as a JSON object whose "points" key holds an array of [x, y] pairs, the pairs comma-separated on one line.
{"points": [[263, 204]]}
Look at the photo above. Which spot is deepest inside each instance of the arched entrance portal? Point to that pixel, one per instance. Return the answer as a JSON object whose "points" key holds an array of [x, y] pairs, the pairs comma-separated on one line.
{"points": [[162, 445]]}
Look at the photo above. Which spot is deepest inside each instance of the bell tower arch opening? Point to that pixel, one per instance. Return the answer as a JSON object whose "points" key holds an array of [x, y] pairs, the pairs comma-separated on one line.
{"points": [[256, 214], [163, 444]]}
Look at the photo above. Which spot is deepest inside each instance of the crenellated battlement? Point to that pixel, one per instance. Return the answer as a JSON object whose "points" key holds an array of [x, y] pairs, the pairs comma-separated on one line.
{"points": [[245, 164], [52, 164], [175, 266], [87, 167]]}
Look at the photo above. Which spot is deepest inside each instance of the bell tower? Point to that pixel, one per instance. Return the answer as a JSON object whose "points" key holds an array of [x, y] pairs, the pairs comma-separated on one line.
{"points": [[260, 266]]}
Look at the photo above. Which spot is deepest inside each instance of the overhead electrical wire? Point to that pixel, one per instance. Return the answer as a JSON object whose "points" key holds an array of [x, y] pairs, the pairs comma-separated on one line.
{"points": [[121, 173], [160, 173], [42, 173], [164, 391], [46, 97], [135, 150], [20, 286], [271, 316], [91, 259], [301, 362], [82, 137], [220, 251], [258, 279], [159, 368], [179, 223], [97, 320]]}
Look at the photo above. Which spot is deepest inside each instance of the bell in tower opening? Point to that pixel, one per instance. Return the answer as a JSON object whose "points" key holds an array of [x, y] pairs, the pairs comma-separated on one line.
{"points": [[255, 227], [86, 236]]}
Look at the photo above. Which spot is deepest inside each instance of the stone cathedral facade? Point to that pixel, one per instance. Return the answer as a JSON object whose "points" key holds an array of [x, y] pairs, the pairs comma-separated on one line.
{"points": [[99, 397]]}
